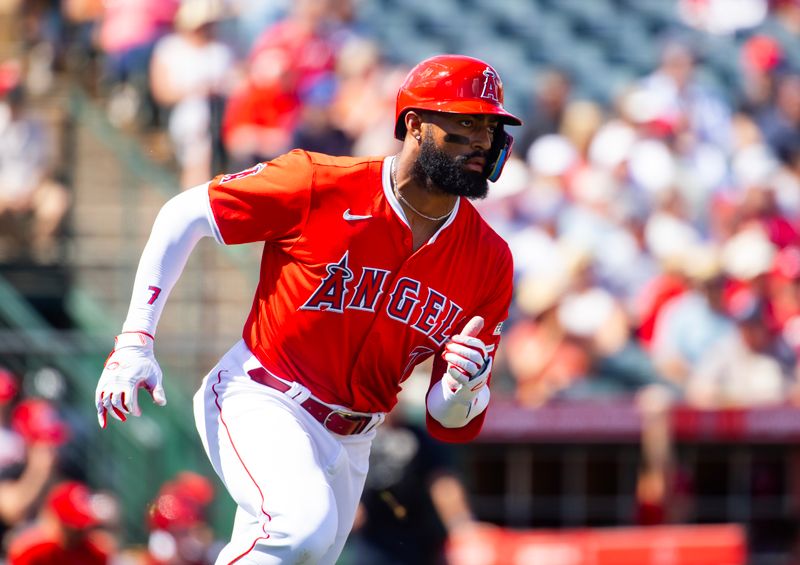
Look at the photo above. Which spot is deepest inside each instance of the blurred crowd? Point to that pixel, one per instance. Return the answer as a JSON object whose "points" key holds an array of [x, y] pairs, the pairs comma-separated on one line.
{"points": [[656, 238]]}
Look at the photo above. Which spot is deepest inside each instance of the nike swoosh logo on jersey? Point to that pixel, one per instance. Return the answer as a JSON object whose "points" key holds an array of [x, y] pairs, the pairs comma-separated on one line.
{"points": [[354, 217]]}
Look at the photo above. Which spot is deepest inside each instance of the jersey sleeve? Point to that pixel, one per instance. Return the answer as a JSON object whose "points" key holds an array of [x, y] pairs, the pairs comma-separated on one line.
{"points": [[494, 312], [267, 202]]}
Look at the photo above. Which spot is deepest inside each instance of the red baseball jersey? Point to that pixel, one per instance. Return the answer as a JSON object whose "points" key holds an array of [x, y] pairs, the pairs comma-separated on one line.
{"points": [[344, 305]]}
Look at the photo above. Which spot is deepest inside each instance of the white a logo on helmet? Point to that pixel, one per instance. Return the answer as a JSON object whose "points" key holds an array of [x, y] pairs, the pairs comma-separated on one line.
{"points": [[490, 85]]}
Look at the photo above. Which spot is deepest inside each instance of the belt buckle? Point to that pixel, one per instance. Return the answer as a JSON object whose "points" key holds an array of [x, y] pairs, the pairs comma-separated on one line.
{"points": [[360, 425]]}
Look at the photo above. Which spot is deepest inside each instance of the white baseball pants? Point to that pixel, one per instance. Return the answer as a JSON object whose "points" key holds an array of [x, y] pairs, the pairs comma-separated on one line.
{"points": [[297, 485]]}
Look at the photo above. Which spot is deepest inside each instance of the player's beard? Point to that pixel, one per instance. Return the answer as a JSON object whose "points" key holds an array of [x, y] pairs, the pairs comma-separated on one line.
{"points": [[435, 168]]}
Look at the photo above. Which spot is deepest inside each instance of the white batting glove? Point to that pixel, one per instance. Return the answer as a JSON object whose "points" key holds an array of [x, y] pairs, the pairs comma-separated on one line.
{"points": [[462, 393], [130, 365], [467, 360]]}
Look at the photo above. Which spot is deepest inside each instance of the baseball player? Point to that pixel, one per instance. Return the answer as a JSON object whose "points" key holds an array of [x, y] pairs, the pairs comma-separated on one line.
{"points": [[370, 266]]}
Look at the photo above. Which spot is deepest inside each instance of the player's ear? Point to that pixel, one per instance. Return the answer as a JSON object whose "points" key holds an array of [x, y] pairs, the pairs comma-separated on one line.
{"points": [[413, 120]]}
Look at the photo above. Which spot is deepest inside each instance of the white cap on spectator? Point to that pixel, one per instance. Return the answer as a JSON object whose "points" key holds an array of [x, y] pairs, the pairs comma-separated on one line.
{"points": [[584, 314], [551, 155], [536, 294], [612, 145], [701, 262], [652, 165], [748, 254], [668, 237], [643, 105], [193, 14], [754, 165]]}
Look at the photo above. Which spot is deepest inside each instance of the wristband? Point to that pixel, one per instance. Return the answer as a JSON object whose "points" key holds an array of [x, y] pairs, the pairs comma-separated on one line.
{"points": [[132, 339]]}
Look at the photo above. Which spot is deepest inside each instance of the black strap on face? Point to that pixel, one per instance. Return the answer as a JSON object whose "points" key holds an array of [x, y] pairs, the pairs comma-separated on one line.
{"points": [[456, 138]]}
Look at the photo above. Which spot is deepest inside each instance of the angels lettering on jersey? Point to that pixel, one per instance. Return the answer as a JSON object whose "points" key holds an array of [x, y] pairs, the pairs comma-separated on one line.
{"points": [[409, 302]]}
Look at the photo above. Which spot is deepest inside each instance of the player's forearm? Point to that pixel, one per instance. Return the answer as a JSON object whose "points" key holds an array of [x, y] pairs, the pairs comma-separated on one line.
{"points": [[180, 224]]}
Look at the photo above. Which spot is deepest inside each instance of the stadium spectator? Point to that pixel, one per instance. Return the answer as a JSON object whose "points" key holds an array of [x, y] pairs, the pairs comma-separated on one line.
{"points": [[683, 106], [762, 59], [32, 203], [128, 31], [363, 103], [250, 18], [32, 433], [694, 321], [781, 123], [190, 75], [179, 533], [542, 358], [63, 533], [317, 128], [288, 62], [742, 370], [553, 91]]}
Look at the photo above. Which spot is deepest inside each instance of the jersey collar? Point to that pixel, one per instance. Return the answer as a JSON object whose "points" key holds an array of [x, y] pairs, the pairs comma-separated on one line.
{"points": [[386, 174]]}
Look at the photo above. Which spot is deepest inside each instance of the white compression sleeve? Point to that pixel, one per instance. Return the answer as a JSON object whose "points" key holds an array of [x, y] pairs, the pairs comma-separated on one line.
{"points": [[181, 223]]}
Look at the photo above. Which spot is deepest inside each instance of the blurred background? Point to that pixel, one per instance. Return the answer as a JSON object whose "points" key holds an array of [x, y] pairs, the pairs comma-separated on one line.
{"points": [[645, 396]]}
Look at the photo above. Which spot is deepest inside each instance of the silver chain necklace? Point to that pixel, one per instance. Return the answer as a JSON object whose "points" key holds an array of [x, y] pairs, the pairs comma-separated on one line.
{"points": [[399, 196]]}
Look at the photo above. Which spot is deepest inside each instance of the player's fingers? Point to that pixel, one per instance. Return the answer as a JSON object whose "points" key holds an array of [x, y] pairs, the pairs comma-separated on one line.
{"points": [[458, 376], [466, 365], [469, 341], [106, 400], [112, 406], [133, 402], [101, 411], [119, 414], [473, 354], [118, 402], [159, 396], [473, 327], [108, 405]]}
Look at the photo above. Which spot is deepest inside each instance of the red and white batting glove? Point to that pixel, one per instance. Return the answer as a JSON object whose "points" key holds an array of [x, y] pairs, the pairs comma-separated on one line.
{"points": [[467, 358], [130, 366], [462, 393]]}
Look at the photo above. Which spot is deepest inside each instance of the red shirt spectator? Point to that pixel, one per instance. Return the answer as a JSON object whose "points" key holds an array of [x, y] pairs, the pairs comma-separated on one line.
{"points": [[63, 533], [651, 300]]}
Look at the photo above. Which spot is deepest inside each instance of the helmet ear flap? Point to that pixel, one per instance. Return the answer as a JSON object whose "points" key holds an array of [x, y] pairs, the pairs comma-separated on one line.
{"points": [[498, 153]]}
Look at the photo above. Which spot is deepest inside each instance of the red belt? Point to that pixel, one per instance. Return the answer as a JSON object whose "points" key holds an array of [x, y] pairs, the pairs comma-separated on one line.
{"points": [[338, 421]]}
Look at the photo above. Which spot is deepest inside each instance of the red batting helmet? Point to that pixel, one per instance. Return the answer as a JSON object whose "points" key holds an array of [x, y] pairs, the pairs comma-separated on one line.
{"points": [[451, 83]]}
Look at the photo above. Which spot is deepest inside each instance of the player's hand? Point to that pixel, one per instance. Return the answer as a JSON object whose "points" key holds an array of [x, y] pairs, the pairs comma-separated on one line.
{"points": [[130, 365], [467, 359]]}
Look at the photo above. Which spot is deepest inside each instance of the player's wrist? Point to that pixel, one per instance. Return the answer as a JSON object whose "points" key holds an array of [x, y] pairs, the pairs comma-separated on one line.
{"points": [[456, 409], [133, 339]]}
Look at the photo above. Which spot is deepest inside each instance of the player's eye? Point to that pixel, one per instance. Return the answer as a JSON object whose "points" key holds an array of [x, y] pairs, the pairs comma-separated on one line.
{"points": [[466, 123]]}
